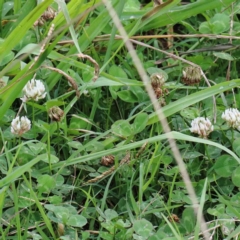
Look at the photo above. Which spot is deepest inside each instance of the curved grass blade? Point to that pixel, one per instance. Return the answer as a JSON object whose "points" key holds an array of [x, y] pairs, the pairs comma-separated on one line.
{"points": [[173, 134], [194, 98], [14, 175], [180, 13], [19, 32]]}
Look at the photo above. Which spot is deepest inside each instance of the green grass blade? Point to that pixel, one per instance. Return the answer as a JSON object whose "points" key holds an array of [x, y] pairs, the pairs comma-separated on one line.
{"points": [[19, 32], [64, 9], [175, 135], [27, 8], [153, 164], [17, 6], [84, 41], [40, 208], [182, 12], [172, 228], [9, 93], [159, 11], [194, 98], [1, 10], [14, 175], [2, 199], [16, 207], [233, 234], [200, 211]]}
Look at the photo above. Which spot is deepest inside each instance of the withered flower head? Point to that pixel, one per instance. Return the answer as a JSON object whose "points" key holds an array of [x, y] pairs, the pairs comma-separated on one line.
{"points": [[157, 82], [2, 83], [49, 14], [173, 218], [56, 113], [191, 75], [107, 160]]}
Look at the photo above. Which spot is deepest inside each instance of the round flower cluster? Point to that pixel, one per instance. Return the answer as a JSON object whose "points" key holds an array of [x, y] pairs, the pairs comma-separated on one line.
{"points": [[20, 125], [232, 117], [191, 75], [201, 126], [34, 90]]}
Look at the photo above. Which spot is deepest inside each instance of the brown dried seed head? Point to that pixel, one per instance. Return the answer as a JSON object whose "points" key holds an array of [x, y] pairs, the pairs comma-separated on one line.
{"points": [[49, 14], [191, 75], [39, 22], [157, 80], [107, 160], [2, 83], [56, 113], [60, 229], [174, 218]]}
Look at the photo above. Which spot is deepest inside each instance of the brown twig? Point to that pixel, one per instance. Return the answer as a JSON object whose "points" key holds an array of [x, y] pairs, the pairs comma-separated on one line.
{"points": [[96, 66], [69, 78], [44, 43], [125, 160], [140, 151], [212, 36]]}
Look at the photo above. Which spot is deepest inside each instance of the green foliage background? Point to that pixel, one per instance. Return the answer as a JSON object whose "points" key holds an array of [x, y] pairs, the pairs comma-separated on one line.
{"points": [[52, 182]]}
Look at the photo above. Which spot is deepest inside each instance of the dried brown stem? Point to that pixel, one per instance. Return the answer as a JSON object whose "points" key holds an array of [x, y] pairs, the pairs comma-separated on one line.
{"points": [[70, 79], [125, 160], [140, 151], [43, 45], [96, 66], [212, 36]]}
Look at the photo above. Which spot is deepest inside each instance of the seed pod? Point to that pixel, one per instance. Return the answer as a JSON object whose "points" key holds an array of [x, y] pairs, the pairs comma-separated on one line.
{"points": [[191, 75], [2, 83], [157, 82], [107, 160], [55, 113]]}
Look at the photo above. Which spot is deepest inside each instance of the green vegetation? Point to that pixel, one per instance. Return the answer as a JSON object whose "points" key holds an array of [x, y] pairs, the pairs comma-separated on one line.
{"points": [[102, 127]]}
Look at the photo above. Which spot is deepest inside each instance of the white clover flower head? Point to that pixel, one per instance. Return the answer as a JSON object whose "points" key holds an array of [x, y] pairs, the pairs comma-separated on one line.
{"points": [[34, 90], [20, 125], [86, 93], [232, 117], [201, 126]]}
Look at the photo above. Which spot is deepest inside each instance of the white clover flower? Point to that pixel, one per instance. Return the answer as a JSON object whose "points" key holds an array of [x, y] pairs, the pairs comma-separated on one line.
{"points": [[201, 126], [232, 117], [34, 90], [86, 93], [20, 125]]}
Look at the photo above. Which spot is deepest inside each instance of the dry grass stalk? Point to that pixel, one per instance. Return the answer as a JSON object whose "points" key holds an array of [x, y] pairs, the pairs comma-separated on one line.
{"points": [[125, 160], [96, 66], [140, 151], [69, 78], [107, 160], [44, 43]]}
